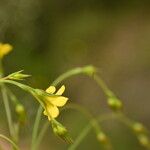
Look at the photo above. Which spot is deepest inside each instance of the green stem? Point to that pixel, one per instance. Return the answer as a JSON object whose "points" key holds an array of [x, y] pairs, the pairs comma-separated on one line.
{"points": [[67, 74], [87, 129], [41, 134], [10, 141], [93, 121], [36, 127], [8, 112], [103, 85], [12, 96], [80, 137], [7, 107], [22, 86]]}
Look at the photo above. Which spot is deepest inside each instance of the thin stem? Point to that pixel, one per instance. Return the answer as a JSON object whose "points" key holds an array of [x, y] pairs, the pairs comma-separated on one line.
{"points": [[102, 84], [93, 121], [41, 134], [67, 74], [22, 86], [12, 96], [12, 131], [10, 141], [80, 137], [121, 117], [87, 129], [36, 127], [8, 112]]}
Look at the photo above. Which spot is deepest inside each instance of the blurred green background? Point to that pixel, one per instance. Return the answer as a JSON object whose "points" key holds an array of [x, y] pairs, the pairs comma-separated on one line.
{"points": [[52, 36]]}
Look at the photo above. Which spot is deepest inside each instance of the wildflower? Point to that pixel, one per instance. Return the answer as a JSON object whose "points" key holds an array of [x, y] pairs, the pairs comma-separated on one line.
{"points": [[51, 103], [5, 49]]}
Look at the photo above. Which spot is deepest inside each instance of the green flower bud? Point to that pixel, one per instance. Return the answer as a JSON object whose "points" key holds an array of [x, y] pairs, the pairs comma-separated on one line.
{"points": [[138, 128], [89, 70], [102, 137], [114, 103], [21, 113], [17, 75], [61, 131], [144, 140]]}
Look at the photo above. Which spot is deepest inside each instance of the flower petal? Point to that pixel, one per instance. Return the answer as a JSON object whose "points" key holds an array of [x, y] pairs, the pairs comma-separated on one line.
{"points": [[51, 90], [61, 90], [59, 101], [5, 49], [52, 111]]}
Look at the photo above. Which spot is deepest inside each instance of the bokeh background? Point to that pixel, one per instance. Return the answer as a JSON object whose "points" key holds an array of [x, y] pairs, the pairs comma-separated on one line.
{"points": [[51, 36]]}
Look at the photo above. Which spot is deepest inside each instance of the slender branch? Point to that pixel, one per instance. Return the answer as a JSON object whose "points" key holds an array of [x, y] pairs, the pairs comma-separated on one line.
{"points": [[36, 127], [80, 137], [10, 141], [8, 112]]}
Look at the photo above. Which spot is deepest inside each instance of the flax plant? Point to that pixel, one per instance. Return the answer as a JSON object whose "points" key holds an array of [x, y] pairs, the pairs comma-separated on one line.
{"points": [[50, 101]]}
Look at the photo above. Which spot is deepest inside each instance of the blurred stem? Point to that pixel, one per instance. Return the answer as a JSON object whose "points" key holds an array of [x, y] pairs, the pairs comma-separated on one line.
{"points": [[92, 120], [36, 140], [87, 129], [12, 96], [10, 141], [8, 112], [80, 137], [103, 85], [120, 117], [35, 128], [67, 75], [6, 105]]}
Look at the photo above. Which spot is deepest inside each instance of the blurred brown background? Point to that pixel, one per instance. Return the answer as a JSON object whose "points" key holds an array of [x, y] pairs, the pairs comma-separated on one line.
{"points": [[50, 37]]}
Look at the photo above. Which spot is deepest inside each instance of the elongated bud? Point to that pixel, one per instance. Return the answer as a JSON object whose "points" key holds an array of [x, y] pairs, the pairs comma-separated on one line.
{"points": [[89, 70], [102, 138], [144, 140], [61, 131], [18, 75], [138, 128], [114, 103], [21, 113]]}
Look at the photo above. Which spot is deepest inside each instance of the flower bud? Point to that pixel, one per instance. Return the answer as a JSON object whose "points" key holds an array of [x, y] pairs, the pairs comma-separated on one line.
{"points": [[144, 140], [138, 128], [21, 113], [61, 131], [102, 137], [17, 76], [114, 103], [89, 70]]}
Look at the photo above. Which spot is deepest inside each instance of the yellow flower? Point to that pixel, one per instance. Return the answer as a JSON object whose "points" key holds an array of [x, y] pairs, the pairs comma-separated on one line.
{"points": [[5, 49], [51, 103]]}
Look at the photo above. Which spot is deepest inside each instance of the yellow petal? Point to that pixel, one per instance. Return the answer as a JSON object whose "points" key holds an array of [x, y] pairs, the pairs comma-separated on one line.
{"points": [[61, 90], [5, 49], [51, 90], [59, 101], [52, 111]]}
